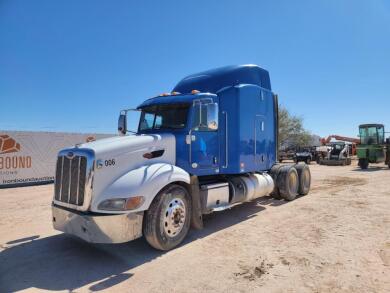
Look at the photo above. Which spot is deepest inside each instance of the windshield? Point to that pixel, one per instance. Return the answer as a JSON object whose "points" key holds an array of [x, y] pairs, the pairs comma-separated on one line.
{"points": [[372, 135], [172, 116]]}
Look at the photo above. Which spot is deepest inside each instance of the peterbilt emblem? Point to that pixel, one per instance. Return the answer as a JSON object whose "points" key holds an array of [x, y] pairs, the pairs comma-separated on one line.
{"points": [[70, 155]]}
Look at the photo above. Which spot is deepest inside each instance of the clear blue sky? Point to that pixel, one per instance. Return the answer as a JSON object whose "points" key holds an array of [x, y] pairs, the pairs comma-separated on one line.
{"points": [[72, 65]]}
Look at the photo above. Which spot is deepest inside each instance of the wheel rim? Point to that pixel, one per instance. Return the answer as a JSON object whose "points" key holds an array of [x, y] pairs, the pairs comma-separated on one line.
{"points": [[293, 182], [306, 178], [174, 217]]}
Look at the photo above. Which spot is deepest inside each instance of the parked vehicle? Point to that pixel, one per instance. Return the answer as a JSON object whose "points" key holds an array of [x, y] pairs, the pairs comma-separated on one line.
{"points": [[373, 147], [286, 154], [208, 145], [306, 154], [339, 154]]}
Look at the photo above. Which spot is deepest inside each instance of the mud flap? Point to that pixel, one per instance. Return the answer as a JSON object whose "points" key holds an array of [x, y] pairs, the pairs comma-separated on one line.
{"points": [[196, 218]]}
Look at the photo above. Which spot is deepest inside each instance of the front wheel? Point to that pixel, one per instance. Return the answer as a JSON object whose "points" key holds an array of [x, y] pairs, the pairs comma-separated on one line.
{"points": [[167, 221], [363, 163]]}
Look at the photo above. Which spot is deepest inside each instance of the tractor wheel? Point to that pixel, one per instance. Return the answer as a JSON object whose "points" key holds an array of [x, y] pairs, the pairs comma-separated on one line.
{"points": [[304, 178], [167, 221], [288, 182], [274, 172], [363, 164]]}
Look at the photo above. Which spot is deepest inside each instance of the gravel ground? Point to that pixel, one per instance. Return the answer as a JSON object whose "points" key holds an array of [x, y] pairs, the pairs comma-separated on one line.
{"points": [[336, 239]]}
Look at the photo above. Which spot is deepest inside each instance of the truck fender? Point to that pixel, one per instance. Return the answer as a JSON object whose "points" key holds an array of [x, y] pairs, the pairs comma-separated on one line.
{"points": [[144, 181]]}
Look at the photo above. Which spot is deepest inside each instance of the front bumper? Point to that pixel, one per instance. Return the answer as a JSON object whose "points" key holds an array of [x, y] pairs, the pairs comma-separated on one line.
{"points": [[98, 228]]}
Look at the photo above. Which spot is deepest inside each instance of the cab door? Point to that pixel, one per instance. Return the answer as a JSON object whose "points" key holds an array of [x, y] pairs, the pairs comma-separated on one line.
{"points": [[203, 138]]}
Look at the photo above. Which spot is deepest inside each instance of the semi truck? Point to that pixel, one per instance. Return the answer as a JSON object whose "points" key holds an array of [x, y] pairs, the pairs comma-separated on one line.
{"points": [[206, 146]]}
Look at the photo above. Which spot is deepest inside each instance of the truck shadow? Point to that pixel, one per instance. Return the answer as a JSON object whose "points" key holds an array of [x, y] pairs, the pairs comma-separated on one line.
{"points": [[371, 169], [63, 262]]}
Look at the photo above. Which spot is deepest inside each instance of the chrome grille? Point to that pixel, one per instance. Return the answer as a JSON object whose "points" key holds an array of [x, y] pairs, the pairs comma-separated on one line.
{"points": [[70, 179]]}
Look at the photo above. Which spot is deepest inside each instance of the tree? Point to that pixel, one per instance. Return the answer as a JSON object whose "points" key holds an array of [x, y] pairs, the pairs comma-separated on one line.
{"points": [[291, 130]]}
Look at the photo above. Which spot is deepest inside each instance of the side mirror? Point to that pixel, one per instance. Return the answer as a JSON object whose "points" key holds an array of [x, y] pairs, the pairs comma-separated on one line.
{"points": [[212, 116], [122, 123]]}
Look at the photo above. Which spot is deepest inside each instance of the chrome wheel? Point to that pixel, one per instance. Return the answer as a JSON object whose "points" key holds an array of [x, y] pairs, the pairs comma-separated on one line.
{"points": [[174, 217]]}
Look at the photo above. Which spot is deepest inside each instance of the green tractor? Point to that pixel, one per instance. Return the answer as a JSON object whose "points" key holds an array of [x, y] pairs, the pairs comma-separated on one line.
{"points": [[373, 147]]}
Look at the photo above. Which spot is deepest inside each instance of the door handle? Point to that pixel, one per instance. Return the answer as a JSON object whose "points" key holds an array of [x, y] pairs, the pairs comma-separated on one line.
{"points": [[190, 138]]}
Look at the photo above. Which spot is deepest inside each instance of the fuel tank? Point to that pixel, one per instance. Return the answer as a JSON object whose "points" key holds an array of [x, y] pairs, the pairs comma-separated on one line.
{"points": [[248, 187]]}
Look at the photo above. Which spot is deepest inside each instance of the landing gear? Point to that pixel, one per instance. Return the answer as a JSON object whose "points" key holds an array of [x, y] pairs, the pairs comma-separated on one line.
{"points": [[363, 163], [167, 221]]}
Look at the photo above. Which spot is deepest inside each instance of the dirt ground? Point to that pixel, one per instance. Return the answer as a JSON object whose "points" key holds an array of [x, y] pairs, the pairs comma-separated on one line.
{"points": [[336, 239]]}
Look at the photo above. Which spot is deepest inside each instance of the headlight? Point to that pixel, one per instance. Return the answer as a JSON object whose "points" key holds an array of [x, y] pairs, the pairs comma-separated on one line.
{"points": [[121, 204]]}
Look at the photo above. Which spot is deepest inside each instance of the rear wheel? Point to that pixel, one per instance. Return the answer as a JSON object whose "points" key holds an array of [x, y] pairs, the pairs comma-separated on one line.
{"points": [[304, 178], [274, 172], [167, 221], [288, 182], [363, 163]]}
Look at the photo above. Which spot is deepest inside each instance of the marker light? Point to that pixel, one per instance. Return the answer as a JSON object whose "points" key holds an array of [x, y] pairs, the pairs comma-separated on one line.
{"points": [[134, 202], [175, 93], [195, 92]]}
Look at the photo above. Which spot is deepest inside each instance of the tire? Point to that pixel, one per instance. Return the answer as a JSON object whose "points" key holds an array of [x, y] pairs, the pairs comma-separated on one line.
{"points": [[167, 221], [274, 172], [363, 164], [308, 161], [288, 182], [318, 160], [304, 178]]}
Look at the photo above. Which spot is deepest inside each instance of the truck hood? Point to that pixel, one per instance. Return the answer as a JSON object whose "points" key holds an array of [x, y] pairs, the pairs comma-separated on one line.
{"points": [[119, 145], [116, 156]]}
